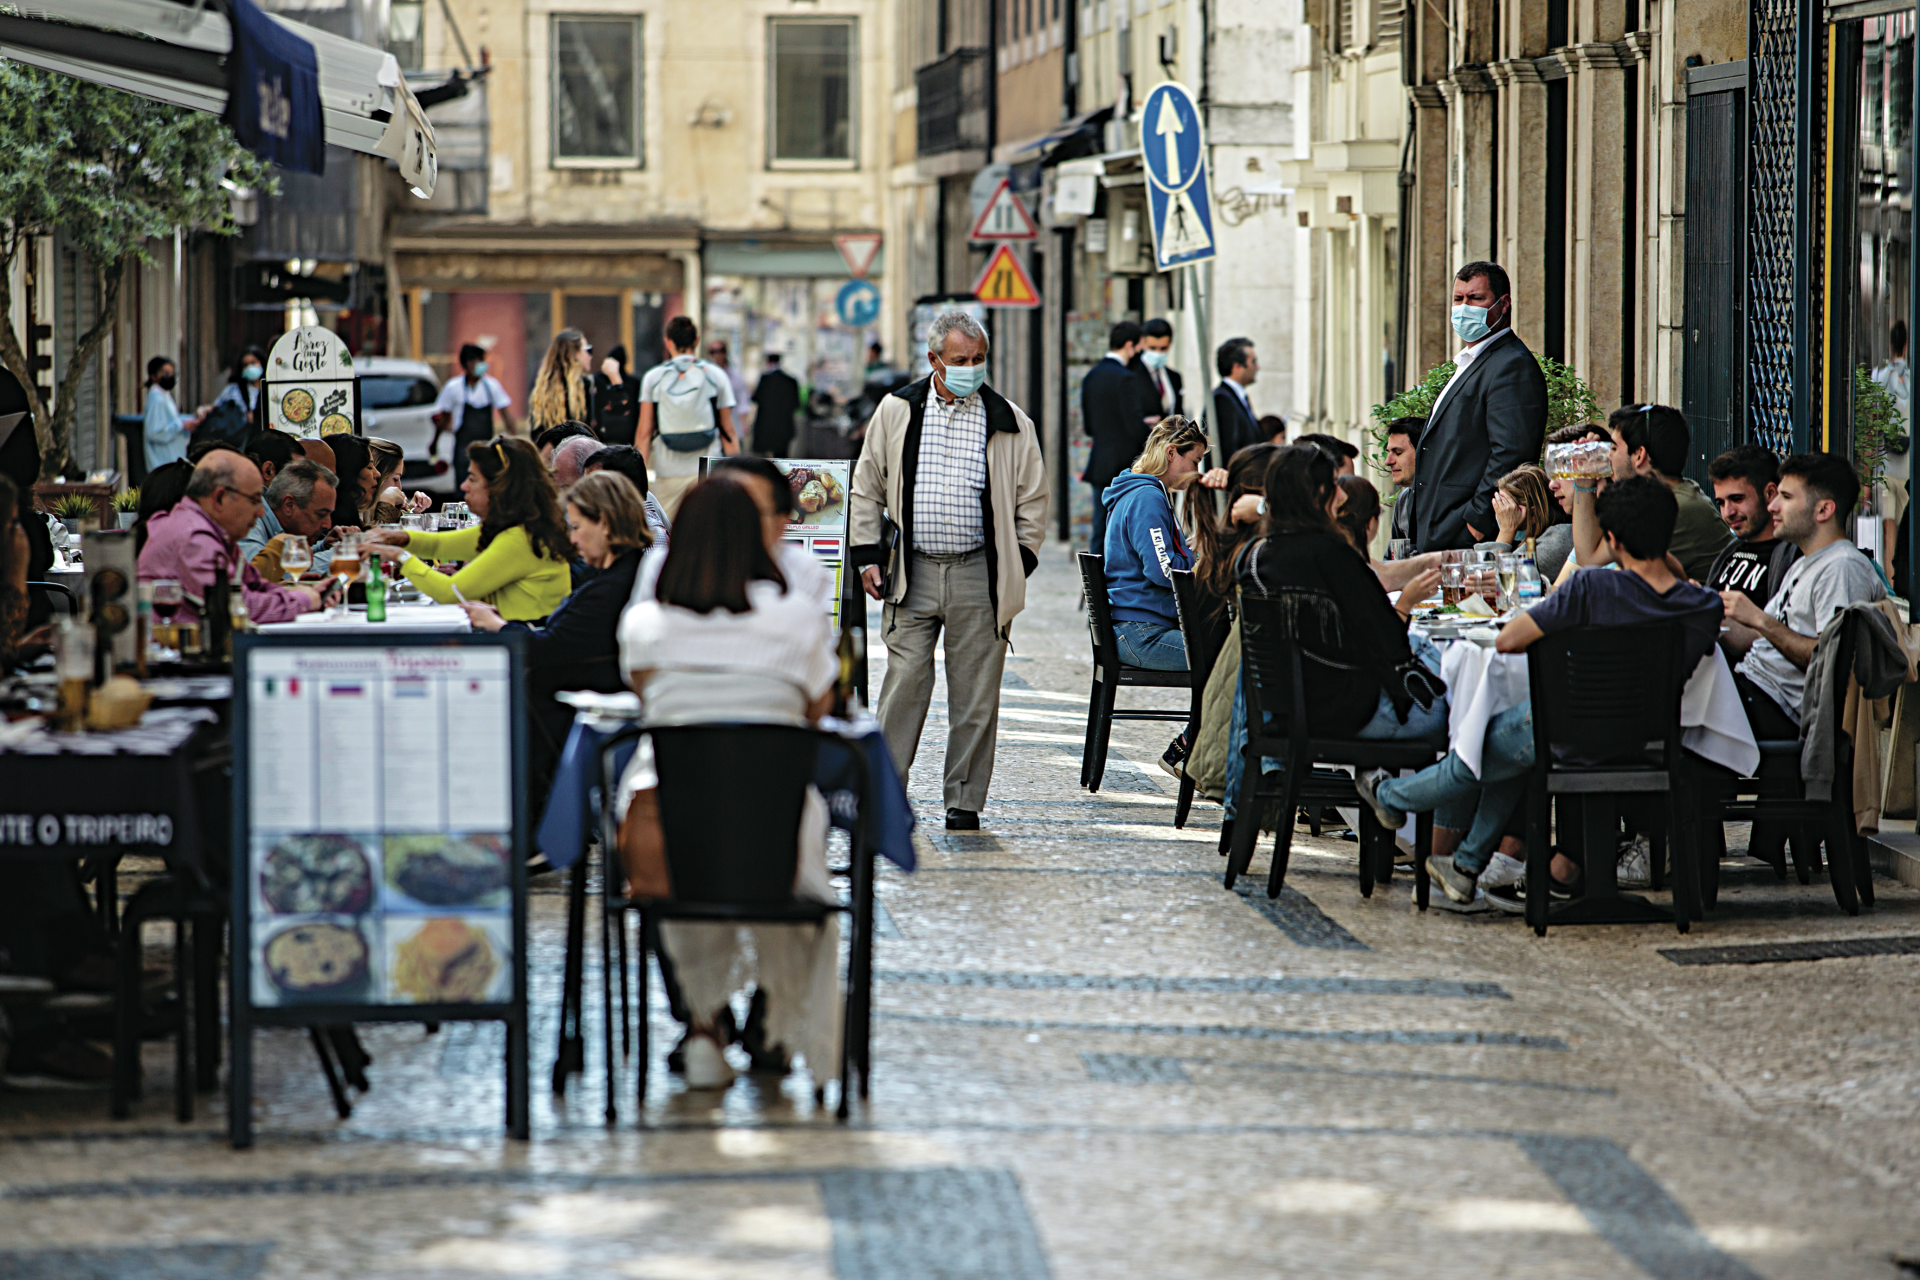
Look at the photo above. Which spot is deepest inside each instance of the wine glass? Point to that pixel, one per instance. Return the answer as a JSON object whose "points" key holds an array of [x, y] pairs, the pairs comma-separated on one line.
{"points": [[1508, 568], [296, 556]]}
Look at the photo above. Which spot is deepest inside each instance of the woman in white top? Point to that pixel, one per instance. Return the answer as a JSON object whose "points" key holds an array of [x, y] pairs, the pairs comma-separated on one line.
{"points": [[726, 638]]}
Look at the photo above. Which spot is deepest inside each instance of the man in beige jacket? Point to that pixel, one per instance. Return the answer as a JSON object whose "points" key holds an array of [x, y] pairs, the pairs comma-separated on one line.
{"points": [[949, 508]]}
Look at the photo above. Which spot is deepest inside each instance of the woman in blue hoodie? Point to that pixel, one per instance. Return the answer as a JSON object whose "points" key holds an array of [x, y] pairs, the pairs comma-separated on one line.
{"points": [[1145, 545]]}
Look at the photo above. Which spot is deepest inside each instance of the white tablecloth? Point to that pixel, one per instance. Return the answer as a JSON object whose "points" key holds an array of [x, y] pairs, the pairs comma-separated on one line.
{"points": [[1481, 683], [400, 617]]}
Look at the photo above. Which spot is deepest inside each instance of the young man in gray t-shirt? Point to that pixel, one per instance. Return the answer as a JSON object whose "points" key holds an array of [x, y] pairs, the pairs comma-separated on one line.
{"points": [[1816, 496]]}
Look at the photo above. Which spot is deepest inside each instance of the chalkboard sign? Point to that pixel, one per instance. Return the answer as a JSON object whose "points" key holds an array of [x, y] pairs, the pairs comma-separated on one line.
{"points": [[380, 839]]}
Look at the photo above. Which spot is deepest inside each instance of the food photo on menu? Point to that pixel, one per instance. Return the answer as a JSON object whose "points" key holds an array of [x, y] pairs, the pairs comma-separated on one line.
{"points": [[448, 960], [314, 894], [819, 493]]}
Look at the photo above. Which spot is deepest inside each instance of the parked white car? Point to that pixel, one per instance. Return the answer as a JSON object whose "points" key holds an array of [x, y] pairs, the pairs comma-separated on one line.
{"points": [[396, 403]]}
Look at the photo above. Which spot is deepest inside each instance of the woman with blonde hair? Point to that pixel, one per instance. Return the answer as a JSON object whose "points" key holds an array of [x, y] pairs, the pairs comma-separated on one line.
{"points": [[516, 559], [1524, 507], [561, 391]]}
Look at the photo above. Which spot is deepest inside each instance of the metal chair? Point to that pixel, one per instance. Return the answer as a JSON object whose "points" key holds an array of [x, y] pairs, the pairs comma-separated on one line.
{"points": [[730, 863], [1607, 694], [1110, 675], [1272, 667], [1204, 637]]}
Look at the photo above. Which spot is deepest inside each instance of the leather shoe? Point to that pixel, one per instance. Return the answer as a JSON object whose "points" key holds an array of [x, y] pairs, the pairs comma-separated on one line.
{"points": [[962, 820]]}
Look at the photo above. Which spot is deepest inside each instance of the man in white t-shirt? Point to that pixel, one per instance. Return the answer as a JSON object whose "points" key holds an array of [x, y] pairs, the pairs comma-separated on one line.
{"points": [[686, 413], [467, 404], [1815, 499]]}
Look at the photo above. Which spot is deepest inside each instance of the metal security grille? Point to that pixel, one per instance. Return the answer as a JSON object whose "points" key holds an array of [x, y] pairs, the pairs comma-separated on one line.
{"points": [[1771, 63]]}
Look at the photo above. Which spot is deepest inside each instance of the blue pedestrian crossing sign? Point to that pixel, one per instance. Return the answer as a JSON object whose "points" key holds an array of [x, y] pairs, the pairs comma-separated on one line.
{"points": [[858, 303], [1173, 148]]}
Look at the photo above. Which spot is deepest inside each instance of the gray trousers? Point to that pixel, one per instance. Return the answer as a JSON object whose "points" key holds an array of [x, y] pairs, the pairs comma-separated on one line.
{"points": [[945, 593]]}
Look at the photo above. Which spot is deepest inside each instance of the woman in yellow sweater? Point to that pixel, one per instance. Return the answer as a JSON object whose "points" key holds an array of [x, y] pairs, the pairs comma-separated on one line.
{"points": [[516, 557]]}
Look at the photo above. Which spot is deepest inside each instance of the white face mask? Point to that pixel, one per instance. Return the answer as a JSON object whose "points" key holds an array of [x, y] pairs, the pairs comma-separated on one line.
{"points": [[1154, 359], [1471, 322]]}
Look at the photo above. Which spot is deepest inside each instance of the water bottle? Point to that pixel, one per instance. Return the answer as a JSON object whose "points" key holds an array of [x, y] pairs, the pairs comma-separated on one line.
{"points": [[1527, 588]]}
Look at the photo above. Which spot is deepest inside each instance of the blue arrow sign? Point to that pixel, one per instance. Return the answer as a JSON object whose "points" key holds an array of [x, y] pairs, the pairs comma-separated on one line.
{"points": [[858, 303], [1173, 149]]}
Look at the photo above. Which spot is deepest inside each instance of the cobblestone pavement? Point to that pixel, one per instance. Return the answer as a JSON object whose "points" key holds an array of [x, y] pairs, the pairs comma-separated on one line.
{"points": [[1091, 1061]]}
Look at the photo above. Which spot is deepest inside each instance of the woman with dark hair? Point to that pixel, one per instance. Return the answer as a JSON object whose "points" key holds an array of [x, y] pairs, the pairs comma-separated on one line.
{"points": [[20, 463], [616, 399], [1363, 678], [724, 639], [515, 559], [1359, 515], [1217, 540], [233, 414], [387, 501], [164, 487], [354, 464]]}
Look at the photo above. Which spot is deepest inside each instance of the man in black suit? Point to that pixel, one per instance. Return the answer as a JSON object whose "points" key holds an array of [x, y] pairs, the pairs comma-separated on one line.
{"points": [[1232, 410], [1115, 413], [1489, 418], [1161, 389], [776, 398]]}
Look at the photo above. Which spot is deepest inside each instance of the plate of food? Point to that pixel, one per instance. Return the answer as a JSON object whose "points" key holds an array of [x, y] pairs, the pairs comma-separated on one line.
{"points": [[317, 875], [817, 495], [447, 960], [450, 871], [317, 962]]}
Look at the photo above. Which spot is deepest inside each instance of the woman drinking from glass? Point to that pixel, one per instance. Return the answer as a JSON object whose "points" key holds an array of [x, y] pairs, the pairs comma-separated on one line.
{"points": [[515, 559]]}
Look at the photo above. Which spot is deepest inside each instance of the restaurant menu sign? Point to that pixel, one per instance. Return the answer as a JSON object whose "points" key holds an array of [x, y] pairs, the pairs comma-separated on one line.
{"points": [[819, 520], [310, 388], [379, 873]]}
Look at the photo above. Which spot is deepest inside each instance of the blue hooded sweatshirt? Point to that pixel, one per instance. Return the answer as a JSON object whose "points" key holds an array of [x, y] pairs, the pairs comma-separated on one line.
{"points": [[1143, 546]]}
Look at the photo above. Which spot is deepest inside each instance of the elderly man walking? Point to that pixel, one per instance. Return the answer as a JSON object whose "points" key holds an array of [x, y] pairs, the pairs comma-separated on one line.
{"points": [[949, 508]]}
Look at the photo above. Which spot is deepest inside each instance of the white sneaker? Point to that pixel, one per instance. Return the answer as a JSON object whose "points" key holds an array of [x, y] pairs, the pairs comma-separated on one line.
{"points": [[1502, 870], [1632, 871], [707, 1066]]}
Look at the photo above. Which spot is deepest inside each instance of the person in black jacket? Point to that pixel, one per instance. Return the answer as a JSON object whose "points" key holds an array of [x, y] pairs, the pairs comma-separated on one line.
{"points": [[1489, 418], [578, 646], [1232, 411], [776, 398], [616, 405], [1162, 392], [1364, 676], [1115, 415]]}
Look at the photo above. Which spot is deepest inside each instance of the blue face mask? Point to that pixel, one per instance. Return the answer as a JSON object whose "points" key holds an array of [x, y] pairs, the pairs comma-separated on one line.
{"points": [[964, 379], [1154, 359], [1471, 323], [480, 368], [250, 374]]}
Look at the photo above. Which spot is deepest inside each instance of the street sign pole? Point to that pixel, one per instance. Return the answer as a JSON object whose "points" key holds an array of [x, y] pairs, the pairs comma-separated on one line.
{"points": [[1203, 334]]}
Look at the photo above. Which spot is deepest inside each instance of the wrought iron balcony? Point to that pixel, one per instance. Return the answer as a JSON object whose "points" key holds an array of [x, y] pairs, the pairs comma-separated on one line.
{"points": [[952, 97]]}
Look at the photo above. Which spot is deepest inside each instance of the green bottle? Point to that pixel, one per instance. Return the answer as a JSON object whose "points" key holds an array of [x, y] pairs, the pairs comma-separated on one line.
{"points": [[376, 591]]}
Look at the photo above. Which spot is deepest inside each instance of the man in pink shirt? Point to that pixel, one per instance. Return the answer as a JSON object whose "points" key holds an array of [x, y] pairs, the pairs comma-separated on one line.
{"points": [[200, 534]]}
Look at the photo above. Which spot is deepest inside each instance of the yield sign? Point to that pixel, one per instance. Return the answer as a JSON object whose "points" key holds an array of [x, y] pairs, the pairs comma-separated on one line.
{"points": [[1004, 218], [858, 251], [1005, 283]]}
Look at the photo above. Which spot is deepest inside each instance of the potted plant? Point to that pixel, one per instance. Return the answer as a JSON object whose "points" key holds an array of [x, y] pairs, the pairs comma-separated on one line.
{"points": [[126, 504], [78, 513]]}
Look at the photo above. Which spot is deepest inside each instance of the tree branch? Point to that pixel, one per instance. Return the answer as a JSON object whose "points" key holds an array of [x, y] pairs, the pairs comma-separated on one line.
{"points": [[66, 403]]}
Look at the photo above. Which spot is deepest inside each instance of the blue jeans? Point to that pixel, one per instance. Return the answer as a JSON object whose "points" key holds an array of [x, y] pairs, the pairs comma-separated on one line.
{"points": [[1152, 645], [1429, 725], [1461, 802]]}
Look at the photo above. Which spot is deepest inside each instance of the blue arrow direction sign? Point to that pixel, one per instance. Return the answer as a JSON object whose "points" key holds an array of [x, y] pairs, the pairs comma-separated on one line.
{"points": [[1173, 148], [858, 303]]}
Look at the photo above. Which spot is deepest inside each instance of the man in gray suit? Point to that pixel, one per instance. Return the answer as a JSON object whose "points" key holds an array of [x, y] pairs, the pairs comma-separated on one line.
{"points": [[1489, 418]]}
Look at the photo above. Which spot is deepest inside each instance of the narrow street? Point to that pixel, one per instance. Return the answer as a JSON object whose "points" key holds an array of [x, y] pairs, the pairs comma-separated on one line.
{"points": [[1093, 1062]]}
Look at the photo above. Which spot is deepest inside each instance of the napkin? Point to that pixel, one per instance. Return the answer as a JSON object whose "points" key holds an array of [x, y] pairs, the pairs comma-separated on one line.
{"points": [[1476, 606]]}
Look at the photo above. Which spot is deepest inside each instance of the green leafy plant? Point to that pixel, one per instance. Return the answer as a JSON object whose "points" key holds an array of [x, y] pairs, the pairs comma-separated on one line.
{"points": [[1876, 429], [1569, 401], [127, 500], [74, 506], [113, 171]]}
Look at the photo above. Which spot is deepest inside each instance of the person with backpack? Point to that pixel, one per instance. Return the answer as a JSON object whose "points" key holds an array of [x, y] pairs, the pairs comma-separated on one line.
{"points": [[234, 418], [686, 413]]}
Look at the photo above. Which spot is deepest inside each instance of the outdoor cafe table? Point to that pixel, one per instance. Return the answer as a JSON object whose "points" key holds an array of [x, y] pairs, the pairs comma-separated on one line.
{"points": [[400, 617]]}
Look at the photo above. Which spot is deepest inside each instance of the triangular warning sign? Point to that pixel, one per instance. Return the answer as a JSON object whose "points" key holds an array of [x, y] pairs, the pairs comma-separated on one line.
{"points": [[1182, 230], [1004, 218], [858, 251], [1005, 283]]}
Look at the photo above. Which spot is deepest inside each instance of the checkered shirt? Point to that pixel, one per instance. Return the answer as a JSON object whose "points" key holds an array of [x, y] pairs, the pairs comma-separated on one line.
{"points": [[951, 477]]}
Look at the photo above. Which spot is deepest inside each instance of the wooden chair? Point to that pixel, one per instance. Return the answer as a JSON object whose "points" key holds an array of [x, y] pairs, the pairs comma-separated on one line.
{"points": [[1110, 675]]}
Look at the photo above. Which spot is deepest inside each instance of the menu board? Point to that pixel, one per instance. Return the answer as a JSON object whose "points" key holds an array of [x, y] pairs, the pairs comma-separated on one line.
{"points": [[379, 839], [819, 520], [380, 865], [310, 388]]}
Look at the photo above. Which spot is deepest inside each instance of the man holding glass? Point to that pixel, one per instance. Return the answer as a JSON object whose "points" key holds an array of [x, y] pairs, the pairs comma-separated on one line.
{"points": [[199, 536], [300, 501]]}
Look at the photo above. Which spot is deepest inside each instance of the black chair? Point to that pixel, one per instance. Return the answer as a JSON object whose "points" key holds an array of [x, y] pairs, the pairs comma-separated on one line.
{"points": [[131, 430], [730, 862], [54, 591], [1775, 793], [1273, 670], [1203, 637], [1110, 675], [1610, 694]]}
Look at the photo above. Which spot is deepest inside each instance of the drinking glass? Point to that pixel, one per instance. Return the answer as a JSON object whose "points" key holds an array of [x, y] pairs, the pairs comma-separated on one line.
{"points": [[1453, 570], [1508, 568], [296, 556], [345, 566], [1400, 549], [411, 523]]}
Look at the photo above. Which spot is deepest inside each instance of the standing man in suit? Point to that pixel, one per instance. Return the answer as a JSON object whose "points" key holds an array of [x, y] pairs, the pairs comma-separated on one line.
{"points": [[1161, 389], [1489, 418], [1232, 410], [776, 398], [1112, 406]]}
